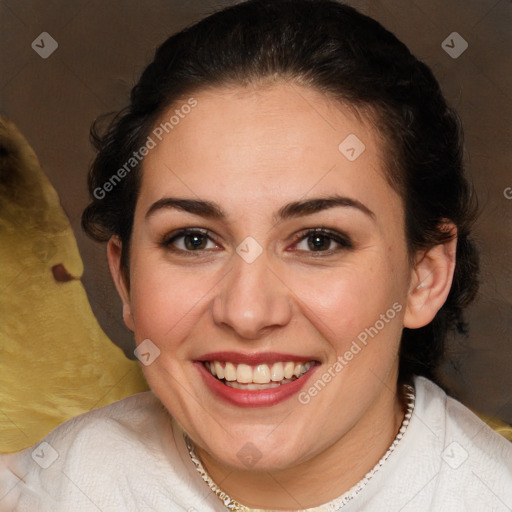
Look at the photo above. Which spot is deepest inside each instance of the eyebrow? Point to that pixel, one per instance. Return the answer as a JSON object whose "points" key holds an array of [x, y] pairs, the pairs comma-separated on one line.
{"points": [[310, 206], [195, 206], [295, 209]]}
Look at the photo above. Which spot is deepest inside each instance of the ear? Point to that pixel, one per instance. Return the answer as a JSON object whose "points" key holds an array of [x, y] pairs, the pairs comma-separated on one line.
{"points": [[114, 250], [431, 281]]}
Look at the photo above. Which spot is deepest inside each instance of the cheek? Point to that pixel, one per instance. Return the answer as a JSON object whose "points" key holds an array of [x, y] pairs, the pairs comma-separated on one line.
{"points": [[342, 302], [166, 301]]}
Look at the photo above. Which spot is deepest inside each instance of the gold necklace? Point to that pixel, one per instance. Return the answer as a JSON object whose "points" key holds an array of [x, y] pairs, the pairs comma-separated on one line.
{"points": [[337, 503]]}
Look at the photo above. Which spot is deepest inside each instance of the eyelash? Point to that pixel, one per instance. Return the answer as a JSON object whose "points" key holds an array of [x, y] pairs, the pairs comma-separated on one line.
{"points": [[341, 239], [168, 240]]}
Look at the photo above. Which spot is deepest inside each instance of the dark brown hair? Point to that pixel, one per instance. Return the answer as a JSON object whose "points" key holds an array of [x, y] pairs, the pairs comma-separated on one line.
{"points": [[333, 48]]}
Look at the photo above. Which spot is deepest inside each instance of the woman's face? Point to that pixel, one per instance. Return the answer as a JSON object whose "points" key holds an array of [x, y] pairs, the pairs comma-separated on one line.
{"points": [[251, 288]]}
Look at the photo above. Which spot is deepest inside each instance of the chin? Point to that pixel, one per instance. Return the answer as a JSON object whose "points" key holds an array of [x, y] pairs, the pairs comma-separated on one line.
{"points": [[258, 452]]}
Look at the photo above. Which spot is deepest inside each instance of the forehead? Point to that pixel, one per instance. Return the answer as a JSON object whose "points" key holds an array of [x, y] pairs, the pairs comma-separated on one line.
{"points": [[279, 141]]}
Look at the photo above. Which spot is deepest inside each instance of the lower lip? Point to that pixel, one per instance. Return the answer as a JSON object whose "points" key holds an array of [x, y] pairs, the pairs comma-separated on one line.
{"points": [[253, 398]]}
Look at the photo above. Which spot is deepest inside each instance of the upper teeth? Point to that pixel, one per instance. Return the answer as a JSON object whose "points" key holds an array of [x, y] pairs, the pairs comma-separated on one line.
{"points": [[259, 374]]}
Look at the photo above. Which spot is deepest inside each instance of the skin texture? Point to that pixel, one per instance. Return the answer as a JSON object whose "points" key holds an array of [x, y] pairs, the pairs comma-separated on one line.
{"points": [[253, 150]]}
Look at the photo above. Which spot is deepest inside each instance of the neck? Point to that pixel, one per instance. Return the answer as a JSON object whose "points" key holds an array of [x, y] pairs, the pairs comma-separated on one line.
{"points": [[327, 475]]}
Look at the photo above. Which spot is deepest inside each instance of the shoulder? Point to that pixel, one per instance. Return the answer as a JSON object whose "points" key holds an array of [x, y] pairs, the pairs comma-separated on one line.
{"points": [[83, 457], [119, 422], [473, 461], [140, 417], [457, 420]]}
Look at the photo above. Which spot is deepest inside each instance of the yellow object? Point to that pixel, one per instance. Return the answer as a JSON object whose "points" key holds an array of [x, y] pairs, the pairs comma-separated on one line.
{"points": [[55, 360], [498, 426]]}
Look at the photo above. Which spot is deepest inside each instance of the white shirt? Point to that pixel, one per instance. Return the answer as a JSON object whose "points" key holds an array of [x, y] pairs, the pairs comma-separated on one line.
{"points": [[131, 456]]}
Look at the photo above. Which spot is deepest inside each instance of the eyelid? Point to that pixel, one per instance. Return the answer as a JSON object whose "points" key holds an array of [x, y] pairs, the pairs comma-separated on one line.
{"points": [[168, 239], [343, 240]]}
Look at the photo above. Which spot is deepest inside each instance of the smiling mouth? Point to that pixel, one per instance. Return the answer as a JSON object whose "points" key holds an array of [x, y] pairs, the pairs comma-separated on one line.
{"points": [[258, 377]]}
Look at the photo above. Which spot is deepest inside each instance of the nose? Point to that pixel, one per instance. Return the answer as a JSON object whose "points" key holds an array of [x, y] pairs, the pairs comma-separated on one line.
{"points": [[252, 300]]}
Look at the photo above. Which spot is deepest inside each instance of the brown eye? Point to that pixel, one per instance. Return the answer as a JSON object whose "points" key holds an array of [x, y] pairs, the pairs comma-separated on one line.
{"points": [[322, 240], [319, 242], [190, 240], [196, 241]]}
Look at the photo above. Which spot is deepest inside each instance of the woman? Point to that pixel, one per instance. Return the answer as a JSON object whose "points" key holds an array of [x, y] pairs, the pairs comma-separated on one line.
{"points": [[288, 226]]}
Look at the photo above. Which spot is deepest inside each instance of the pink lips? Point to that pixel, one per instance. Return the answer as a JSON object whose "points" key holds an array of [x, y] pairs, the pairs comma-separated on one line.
{"points": [[252, 398]]}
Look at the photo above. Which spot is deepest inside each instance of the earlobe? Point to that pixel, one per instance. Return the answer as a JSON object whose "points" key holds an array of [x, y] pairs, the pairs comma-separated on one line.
{"points": [[431, 281], [114, 251], [127, 316]]}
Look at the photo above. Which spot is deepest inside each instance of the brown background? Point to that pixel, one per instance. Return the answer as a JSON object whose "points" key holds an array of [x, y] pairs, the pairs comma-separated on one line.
{"points": [[103, 47]]}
